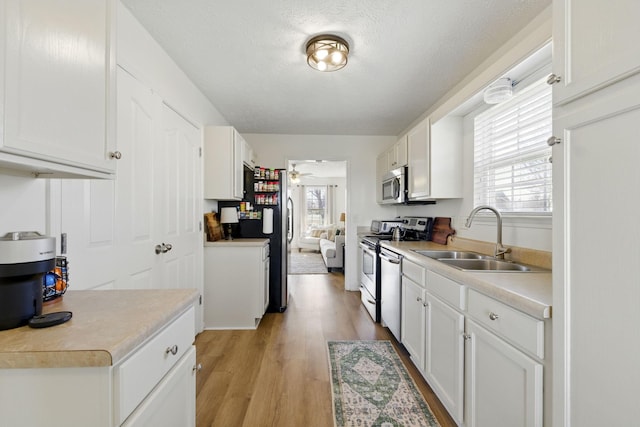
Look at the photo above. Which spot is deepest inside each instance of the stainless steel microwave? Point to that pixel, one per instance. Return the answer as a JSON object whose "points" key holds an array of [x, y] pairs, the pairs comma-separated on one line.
{"points": [[394, 186]]}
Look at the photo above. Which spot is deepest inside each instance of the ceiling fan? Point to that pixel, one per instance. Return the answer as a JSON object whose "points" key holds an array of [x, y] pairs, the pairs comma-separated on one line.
{"points": [[295, 175]]}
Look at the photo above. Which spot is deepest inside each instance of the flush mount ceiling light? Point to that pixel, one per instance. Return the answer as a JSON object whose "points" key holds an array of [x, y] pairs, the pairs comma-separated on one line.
{"points": [[327, 52], [499, 91]]}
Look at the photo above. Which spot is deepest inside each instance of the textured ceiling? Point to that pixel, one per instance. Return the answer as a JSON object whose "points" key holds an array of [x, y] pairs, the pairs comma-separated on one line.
{"points": [[247, 56]]}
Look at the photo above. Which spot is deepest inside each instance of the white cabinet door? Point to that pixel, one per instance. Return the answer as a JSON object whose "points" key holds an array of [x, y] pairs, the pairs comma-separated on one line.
{"points": [[419, 161], [503, 386], [400, 149], [595, 44], [173, 402], [58, 75], [413, 317], [178, 202], [444, 355], [595, 281], [223, 167]]}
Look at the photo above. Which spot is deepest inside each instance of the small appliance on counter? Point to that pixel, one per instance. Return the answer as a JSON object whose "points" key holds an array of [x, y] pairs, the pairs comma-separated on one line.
{"points": [[25, 257]]}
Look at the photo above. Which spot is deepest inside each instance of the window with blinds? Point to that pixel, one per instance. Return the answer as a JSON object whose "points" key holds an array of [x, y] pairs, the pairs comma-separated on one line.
{"points": [[512, 171]]}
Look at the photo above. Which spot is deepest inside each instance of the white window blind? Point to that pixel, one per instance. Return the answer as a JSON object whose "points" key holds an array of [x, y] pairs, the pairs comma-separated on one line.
{"points": [[511, 157]]}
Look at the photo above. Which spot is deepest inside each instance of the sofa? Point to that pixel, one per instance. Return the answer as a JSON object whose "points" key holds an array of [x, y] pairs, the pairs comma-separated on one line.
{"points": [[333, 252], [311, 238]]}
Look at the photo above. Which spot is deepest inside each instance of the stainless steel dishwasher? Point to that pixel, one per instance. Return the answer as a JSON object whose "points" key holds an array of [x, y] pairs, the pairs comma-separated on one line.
{"points": [[390, 290]]}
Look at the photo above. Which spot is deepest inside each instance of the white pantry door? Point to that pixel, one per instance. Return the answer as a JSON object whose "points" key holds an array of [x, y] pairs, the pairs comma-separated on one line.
{"points": [[139, 124], [178, 203]]}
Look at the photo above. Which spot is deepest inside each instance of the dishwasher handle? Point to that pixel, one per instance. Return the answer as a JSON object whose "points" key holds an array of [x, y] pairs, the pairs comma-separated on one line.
{"points": [[392, 260]]}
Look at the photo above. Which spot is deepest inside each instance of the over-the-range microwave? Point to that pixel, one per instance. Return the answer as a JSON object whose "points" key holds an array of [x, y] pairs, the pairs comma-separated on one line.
{"points": [[395, 189], [394, 186]]}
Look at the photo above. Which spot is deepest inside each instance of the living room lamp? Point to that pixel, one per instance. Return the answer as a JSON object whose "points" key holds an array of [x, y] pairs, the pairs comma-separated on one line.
{"points": [[229, 216]]}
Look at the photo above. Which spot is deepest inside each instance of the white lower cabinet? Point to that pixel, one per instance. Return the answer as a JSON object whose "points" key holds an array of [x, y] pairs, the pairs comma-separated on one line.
{"points": [[173, 401], [503, 386], [444, 355], [413, 321], [154, 385], [482, 358], [236, 284]]}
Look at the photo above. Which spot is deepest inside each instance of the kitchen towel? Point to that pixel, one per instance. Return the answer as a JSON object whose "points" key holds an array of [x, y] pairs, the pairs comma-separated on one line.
{"points": [[267, 220]]}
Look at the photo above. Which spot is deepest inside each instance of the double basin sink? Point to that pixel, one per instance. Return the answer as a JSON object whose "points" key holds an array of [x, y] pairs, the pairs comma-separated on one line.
{"points": [[472, 261]]}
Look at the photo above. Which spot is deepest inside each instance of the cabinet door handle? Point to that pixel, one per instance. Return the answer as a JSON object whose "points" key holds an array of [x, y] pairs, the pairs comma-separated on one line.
{"points": [[493, 316], [173, 350], [553, 79], [466, 336], [115, 155], [553, 141], [425, 304], [418, 299], [197, 367]]}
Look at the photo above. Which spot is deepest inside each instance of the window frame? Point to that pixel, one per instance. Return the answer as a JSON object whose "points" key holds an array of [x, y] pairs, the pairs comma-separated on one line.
{"points": [[534, 219]]}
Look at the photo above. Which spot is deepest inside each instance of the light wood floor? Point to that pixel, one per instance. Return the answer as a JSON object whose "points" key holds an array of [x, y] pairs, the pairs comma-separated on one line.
{"points": [[278, 375]]}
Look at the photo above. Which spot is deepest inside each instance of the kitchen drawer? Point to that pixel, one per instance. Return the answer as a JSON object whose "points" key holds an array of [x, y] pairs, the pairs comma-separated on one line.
{"points": [[139, 374], [448, 290], [513, 325], [413, 271]]}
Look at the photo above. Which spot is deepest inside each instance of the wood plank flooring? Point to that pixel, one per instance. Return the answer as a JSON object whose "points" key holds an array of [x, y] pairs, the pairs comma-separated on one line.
{"points": [[278, 375]]}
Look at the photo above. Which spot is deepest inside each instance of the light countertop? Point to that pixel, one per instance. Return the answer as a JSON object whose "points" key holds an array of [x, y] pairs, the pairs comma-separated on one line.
{"points": [[106, 325], [238, 242], [527, 292]]}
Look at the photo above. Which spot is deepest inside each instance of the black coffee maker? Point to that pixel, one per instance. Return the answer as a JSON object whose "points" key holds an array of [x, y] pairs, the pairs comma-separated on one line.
{"points": [[25, 257]]}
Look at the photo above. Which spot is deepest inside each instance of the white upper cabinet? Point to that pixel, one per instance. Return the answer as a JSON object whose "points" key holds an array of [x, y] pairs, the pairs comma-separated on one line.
{"points": [[57, 74], [595, 44], [435, 159], [248, 155], [397, 154], [223, 164]]}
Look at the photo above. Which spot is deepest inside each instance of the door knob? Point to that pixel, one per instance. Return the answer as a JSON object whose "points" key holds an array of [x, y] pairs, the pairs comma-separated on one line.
{"points": [[158, 249], [167, 247]]}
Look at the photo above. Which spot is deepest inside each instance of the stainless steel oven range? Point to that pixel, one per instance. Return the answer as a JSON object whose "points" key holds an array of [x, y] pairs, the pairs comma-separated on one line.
{"points": [[413, 228]]}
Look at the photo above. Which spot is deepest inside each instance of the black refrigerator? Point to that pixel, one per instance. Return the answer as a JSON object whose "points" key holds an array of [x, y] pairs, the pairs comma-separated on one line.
{"points": [[263, 214]]}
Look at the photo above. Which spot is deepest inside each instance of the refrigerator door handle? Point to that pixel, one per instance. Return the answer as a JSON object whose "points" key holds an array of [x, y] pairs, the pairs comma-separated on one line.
{"points": [[290, 219]]}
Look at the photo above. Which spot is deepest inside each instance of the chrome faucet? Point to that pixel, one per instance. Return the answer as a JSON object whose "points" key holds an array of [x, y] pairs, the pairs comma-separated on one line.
{"points": [[500, 250]]}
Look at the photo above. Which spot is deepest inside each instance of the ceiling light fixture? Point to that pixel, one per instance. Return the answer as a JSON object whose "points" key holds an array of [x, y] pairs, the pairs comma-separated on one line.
{"points": [[499, 91], [327, 52]]}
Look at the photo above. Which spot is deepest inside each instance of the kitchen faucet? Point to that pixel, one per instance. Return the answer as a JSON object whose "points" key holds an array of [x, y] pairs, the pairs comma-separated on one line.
{"points": [[500, 250]]}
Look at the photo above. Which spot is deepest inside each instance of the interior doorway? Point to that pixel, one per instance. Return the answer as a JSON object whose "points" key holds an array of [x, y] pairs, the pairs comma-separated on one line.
{"points": [[318, 199]]}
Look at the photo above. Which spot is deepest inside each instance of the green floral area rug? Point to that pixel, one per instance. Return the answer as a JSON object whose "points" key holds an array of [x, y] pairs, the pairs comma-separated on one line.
{"points": [[371, 387]]}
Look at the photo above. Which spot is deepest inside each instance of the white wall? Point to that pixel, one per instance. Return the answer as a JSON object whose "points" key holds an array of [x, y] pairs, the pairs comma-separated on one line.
{"points": [[360, 152]]}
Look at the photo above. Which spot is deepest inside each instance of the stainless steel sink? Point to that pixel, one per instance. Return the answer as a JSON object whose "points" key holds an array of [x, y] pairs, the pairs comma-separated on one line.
{"points": [[490, 265], [451, 254]]}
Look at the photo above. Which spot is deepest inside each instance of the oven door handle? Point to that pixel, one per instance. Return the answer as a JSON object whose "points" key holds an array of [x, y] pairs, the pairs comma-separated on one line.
{"points": [[391, 260], [367, 249]]}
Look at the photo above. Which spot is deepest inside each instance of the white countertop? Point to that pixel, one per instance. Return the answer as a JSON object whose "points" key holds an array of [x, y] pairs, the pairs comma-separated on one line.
{"points": [[527, 292]]}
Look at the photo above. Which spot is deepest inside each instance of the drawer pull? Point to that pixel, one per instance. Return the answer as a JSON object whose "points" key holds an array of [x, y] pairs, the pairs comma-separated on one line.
{"points": [[173, 350], [493, 316]]}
